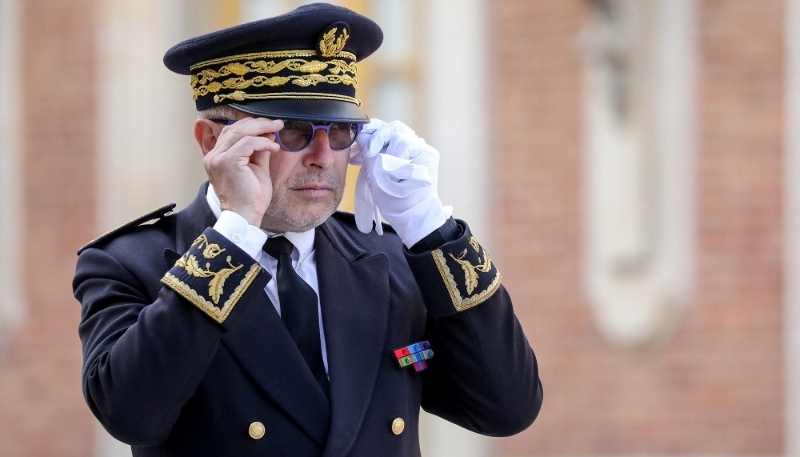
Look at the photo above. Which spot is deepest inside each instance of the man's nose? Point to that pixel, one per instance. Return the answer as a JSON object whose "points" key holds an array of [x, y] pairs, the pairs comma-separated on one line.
{"points": [[319, 153]]}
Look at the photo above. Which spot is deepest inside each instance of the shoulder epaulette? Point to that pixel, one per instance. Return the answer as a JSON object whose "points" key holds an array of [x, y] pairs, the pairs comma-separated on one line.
{"points": [[154, 215]]}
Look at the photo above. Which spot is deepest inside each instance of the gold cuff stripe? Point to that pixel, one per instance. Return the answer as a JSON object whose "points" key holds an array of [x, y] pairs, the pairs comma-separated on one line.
{"points": [[459, 302], [269, 55], [294, 95], [218, 314]]}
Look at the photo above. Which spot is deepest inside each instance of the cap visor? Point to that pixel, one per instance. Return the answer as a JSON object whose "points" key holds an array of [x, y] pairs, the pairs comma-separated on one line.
{"points": [[304, 109]]}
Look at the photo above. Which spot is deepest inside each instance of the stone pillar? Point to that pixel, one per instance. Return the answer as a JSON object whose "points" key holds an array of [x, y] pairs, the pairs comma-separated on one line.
{"points": [[456, 113], [147, 156]]}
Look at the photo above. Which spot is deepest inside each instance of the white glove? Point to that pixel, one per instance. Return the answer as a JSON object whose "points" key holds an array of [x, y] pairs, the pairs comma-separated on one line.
{"points": [[398, 180]]}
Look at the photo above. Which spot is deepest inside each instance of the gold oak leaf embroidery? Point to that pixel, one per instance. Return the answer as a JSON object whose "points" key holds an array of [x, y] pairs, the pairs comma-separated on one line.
{"points": [[315, 66], [216, 284], [470, 270], [210, 251], [200, 241], [487, 261], [470, 275], [331, 44], [192, 266]]}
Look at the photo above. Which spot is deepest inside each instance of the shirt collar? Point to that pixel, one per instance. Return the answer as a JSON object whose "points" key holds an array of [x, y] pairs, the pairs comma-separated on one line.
{"points": [[302, 241]]}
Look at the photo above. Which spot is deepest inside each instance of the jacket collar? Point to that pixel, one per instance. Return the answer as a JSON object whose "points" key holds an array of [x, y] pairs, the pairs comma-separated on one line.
{"points": [[193, 220]]}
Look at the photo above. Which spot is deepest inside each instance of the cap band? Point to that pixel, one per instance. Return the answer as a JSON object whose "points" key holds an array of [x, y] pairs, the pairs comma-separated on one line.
{"points": [[240, 96]]}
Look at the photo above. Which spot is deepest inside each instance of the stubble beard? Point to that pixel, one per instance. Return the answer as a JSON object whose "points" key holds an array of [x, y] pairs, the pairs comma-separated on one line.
{"points": [[282, 216]]}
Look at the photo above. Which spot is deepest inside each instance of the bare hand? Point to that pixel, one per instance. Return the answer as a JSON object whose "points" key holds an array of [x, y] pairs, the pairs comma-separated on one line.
{"points": [[238, 167]]}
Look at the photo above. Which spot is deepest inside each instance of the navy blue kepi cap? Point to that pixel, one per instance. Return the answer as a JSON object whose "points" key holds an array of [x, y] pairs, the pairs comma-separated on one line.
{"points": [[300, 65]]}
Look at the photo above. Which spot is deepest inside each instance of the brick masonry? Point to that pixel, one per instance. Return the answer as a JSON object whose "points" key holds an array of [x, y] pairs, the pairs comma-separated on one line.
{"points": [[716, 385], [42, 412]]}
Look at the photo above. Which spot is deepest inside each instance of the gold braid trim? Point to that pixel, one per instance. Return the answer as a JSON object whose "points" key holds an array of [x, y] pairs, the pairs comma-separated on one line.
{"points": [[206, 81], [241, 96], [218, 314], [239, 84], [459, 302], [269, 55], [337, 66]]}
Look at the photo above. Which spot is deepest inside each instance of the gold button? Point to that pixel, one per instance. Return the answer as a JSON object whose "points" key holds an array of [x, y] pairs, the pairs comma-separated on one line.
{"points": [[257, 430], [398, 425]]}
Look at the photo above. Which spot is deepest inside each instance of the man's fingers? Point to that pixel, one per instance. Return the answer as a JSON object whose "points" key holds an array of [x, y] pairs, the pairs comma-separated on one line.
{"points": [[260, 158], [239, 152], [247, 127], [247, 145]]}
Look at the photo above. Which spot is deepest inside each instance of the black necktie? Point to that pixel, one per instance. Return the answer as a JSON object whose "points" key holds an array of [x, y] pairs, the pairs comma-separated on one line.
{"points": [[298, 309]]}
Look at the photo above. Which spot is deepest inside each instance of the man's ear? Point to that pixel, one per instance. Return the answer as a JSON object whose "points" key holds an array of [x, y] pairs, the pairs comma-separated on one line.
{"points": [[206, 133]]}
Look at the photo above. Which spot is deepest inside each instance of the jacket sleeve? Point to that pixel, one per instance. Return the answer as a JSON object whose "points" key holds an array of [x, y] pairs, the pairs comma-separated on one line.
{"points": [[485, 376], [144, 359]]}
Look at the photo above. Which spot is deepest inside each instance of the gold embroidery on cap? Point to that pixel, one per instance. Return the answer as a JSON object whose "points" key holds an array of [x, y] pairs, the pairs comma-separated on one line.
{"points": [[337, 66], [268, 55], [330, 45], [207, 81], [239, 84]]}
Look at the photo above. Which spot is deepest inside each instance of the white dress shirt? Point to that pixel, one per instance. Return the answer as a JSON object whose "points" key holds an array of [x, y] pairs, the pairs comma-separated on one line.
{"points": [[251, 240]]}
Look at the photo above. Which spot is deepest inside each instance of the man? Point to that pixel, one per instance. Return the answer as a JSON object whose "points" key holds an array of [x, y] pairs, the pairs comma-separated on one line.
{"points": [[326, 342]]}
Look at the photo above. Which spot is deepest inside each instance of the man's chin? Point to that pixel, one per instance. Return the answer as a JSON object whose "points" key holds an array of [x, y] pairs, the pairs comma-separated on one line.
{"points": [[279, 220]]}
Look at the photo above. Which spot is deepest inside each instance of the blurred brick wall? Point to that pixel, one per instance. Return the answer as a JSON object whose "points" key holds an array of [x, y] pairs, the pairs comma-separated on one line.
{"points": [[42, 412], [716, 386]]}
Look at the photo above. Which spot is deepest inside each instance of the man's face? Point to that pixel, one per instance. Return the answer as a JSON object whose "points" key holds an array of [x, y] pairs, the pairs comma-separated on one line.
{"points": [[307, 186]]}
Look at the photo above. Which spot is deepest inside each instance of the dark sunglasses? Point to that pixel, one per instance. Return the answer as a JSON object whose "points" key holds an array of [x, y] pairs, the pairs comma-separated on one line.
{"points": [[296, 135]]}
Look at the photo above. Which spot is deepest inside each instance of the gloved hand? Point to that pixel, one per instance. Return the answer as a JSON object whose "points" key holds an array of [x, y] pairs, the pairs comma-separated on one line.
{"points": [[398, 180]]}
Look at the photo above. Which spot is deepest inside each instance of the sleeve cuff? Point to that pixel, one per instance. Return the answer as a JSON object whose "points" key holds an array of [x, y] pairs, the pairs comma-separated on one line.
{"points": [[235, 228], [456, 276], [213, 275], [449, 231]]}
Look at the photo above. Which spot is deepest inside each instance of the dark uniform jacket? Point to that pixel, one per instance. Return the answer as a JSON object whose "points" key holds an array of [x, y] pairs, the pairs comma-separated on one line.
{"points": [[184, 355]]}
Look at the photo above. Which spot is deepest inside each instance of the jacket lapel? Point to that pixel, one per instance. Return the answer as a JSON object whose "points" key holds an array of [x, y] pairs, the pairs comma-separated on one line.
{"points": [[354, 292], [260, 342]]}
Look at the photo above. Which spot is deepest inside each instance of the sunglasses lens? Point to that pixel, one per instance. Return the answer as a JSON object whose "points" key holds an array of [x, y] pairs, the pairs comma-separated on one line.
{"points": [[342, 134], [296, 135]]}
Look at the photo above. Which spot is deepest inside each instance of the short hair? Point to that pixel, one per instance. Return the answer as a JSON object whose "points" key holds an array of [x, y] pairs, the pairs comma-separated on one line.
{"points": [[219, 112]]}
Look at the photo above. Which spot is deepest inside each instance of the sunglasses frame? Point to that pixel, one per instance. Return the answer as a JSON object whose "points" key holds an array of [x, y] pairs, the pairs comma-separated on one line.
{"points": [[314, 127]]}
